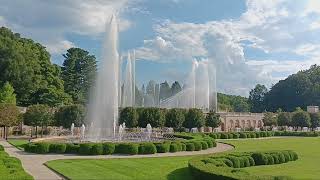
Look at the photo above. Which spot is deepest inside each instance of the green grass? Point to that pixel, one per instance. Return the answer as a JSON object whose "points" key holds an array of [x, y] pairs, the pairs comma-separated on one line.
{"points": [[18, 143], [175, 168]]}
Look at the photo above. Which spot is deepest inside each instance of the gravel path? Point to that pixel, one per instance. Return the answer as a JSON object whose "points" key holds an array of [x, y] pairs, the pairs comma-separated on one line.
{"points": [[34, 163]]}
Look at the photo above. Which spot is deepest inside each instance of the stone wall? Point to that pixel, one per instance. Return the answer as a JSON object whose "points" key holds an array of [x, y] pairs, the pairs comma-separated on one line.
{"points": [[232, 120]]}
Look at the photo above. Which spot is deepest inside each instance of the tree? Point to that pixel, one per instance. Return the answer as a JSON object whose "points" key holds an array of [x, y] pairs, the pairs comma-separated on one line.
{"points": [[129, 116], [233, 103], [175, 88], [315, 120], [26, 65], [7, 94], [194, 118], [301, 118], [256, 98], [240, 105], [66, 115], [175, 118], [284, 119], [153, 116], [269, 119], [78, 72], [213, 119], [38, 115], [9, 116], [165, 90]]}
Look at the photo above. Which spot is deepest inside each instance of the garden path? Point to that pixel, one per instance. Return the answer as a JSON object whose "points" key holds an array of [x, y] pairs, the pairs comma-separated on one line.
{"points": [[34, 164]]}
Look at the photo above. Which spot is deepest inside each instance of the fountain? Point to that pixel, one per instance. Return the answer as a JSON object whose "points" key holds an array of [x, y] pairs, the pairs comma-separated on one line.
{"points": [[72, 129], [83, 130]]}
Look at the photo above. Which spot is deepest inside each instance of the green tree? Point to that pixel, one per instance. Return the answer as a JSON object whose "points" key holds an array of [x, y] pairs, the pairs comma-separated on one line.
{"points": [[154, 116], [213, 119], [7, 94], [78, 72], [194, 118], [256, 98], [284, 119], [175, 118], [301, 118], [315, 120], [9, 116], [26, 65], [129, 115], [269, 119], [66, 115], [38, 115]]}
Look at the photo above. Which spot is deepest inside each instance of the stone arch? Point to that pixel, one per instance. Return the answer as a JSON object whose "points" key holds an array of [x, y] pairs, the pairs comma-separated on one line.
{"points": [[254, 123], [249, 123], [237, 125], [243, 124], [259, 124], [222, 127], [231, 124]]}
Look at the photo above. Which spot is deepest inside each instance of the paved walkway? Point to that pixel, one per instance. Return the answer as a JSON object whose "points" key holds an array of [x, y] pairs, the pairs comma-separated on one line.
{"points": [[34, 163]]}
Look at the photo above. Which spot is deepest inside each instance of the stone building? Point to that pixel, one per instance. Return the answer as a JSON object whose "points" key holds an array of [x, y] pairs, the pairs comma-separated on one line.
{"points": [[232, 120], [313, 109]]}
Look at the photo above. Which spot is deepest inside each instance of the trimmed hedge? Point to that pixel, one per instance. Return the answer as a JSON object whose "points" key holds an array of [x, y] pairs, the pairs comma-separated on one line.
{"points": [[223, 166], [147, 148], [72, 148], [108, 148], [96, 149], [57, 148], [127, 148], [163, 147]]}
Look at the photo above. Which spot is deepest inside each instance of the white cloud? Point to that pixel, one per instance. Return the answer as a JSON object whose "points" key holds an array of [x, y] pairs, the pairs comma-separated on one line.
{"points": [[59, 47], [49, 21], [274, 26]]}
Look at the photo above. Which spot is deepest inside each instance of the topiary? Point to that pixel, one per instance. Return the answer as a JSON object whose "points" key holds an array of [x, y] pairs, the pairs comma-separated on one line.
{"points": [[259, 158], [257, 134], [57, 148], [97, 149], [253, 134], [287, 156], [224, 136], [209, 142], [236, 135], [163, 147], [183, 147], [294, 155], [204, 145], [127, 148], [85, 149], [251, 160], [30, 147], [42, 148], [147, 148], [235, 161], [108, 148], [72, 148], [243, 135], [275, 158], [1, 148], [197, 145], [173, 147], [230, 136], [190, 146], [213, 135], [270, 159]]}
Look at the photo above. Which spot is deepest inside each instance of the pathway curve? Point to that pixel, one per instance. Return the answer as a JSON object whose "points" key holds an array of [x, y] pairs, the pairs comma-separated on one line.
{"points": [[34, 163]]}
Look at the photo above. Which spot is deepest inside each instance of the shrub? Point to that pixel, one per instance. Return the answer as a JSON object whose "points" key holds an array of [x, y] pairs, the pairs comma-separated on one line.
{"points": [[72, 148], [246, 161], [214, 144], [163, 147], [30, 147], [175, 118], [147, 148], [235, 161], [243, 135], [108, 148], [194, 118], [270, 159], [42, 148], [253, 134], [257, 134], [230, 136], [190, 146], [294, 155], [173, 147], [236, 135], [287, 156], [213, 135], [97, 149], [197, 145], [154, 116], [251, 160], [260, 159], [183, 147], [204, 145], [127, 148], [57, 148], [129, 116], [275, 158], [85, 149], [209, 142], [224, 136], [1, 148]]}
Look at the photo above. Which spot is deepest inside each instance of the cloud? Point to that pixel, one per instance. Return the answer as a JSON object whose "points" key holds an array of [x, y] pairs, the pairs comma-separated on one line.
{"points": [[274, 26], [50, 21]]}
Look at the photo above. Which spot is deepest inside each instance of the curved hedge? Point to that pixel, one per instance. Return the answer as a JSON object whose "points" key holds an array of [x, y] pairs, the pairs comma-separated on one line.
{"points": [[229, 166], [187, 143]]}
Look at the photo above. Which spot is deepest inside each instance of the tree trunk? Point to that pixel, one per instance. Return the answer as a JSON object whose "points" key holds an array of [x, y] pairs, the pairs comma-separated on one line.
{"points": [[41, 130], [5, 133], [36, 131]]}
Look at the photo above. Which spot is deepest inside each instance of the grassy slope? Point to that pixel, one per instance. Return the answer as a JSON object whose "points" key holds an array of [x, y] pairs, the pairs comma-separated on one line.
{"points": [[18, 143], [176, 167]]}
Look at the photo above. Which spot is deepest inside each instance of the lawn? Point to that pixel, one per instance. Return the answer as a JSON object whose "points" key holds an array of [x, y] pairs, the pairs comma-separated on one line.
{"points": [[176, 167], [18, 143]]}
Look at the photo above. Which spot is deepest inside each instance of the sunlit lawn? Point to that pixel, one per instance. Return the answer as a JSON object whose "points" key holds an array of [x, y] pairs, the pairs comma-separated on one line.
{"points": [[18, 143], [307, 167]]}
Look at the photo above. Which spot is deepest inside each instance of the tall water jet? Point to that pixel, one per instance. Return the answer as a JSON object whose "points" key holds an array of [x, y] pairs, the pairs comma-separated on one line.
{"points": [[103, 107], [128, 95]]}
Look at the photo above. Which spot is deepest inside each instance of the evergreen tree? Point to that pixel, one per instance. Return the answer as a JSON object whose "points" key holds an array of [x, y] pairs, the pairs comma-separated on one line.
{"points": [[256, 98], [78, 72], [7, 94]]}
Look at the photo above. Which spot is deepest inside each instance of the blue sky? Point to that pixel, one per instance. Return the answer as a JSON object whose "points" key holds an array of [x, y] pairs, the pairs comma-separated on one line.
{"points": [[249, 41]]}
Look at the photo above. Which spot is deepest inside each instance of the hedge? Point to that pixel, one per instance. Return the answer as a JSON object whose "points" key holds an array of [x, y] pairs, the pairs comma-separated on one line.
{"points": [[127, 148], [223, 166], [108, 148], [57, 148], [147, 148], [163, 147], [72, 148]]}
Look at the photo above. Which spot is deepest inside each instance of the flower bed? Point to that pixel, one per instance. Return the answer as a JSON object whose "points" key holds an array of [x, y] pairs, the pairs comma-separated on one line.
{"points": [[229, 166]]}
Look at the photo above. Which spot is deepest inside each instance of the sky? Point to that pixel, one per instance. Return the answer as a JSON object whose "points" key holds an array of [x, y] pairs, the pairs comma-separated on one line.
{"points": [[248, 41]]}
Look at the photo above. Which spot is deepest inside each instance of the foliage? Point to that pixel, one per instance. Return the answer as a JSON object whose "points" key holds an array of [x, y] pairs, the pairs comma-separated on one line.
{"points": [[7, 95], [78, 72], [26, 65], [72, 148], [284, 119], [154, 116], [175, 118], [256, 98], [298, 90], [175, 88], [213, 119], [147, 148], [162, 147], [129, 116], [269, 119], [315, 120], [222, 166], [194, 118], [66, 115], [38, 115], [301, 118], [233, 103], [9, 115], [57, 148], [127, 148], [108, 148]]}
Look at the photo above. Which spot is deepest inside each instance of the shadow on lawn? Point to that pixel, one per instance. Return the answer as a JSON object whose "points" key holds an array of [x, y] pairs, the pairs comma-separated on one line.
{"points": [[180, 174]]}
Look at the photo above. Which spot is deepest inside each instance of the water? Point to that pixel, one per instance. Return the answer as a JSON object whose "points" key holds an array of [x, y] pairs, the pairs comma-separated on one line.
{"points": [[103, 107]]}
